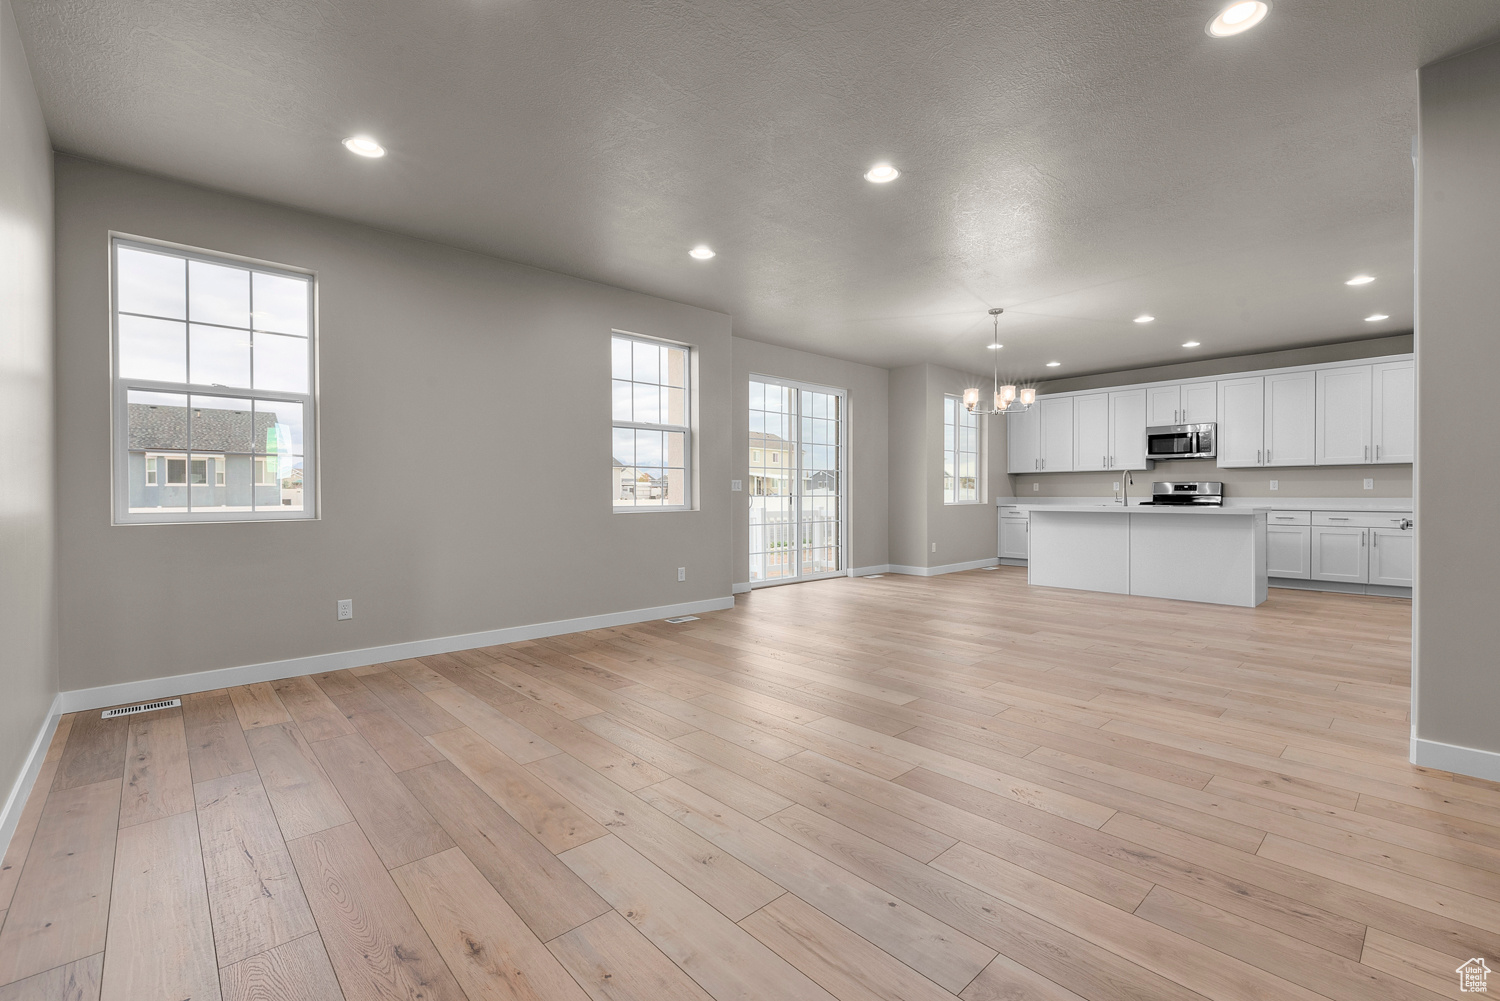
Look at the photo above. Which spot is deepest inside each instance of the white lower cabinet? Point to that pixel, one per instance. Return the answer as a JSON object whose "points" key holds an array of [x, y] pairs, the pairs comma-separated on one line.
{"points": [[1392, 556], [1015, 538], [1340, 553], [1288, 550]]}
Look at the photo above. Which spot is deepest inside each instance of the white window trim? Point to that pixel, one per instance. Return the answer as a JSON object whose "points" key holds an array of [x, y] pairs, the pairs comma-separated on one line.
{"points": [[689, 450], [980, 457], [120, 388]]}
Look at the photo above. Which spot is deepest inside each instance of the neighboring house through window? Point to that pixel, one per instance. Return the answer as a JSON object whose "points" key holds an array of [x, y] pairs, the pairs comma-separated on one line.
{"points": [[961, 453], [652, 438], [213, 365]]}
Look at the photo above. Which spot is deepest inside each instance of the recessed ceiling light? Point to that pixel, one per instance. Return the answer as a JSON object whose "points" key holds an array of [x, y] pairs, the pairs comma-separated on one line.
{"points": [[1144, 318], [1238, 17], [364, 146], [1190, 344], [994, 347], [882, 173], [1376, 318], [700, 253], [1360, 280], [1053, 364]]}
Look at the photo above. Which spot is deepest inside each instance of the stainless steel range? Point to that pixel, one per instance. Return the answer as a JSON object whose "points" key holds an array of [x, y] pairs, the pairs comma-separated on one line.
{"points": [[1187, 493]]}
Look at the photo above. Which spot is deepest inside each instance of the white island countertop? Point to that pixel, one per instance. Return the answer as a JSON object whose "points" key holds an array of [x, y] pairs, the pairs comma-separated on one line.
{"points": [[1197, 510], [1394, 505]]}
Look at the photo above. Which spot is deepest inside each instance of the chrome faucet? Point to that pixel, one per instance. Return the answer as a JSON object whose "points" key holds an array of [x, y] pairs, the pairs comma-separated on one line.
{"points": [[1125, 482]]}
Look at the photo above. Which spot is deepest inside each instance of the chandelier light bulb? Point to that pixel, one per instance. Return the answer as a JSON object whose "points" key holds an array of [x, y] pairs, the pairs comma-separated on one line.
{"points": [[971, 398], [1028, 396]]}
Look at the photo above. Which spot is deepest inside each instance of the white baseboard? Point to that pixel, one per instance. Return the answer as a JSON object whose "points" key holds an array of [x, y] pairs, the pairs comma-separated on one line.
{"points": [[250, 674], [866, 571], [1453, 758], [948, 568], [740, 588], [10, 816]]}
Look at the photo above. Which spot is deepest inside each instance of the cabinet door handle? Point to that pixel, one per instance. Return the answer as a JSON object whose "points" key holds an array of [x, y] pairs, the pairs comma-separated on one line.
{"points": [[1332, 518], [1268, 456], [1257, 457], [1362, 539], [1367, 453], [1377, 453], [1374, 540]]}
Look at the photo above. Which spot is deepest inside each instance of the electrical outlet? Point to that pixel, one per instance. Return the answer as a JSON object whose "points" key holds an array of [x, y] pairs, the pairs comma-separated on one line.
{"points": [[1117, 486], [1035, 487], [934, 547], [736, 486], [682, 573], [346, 609], [1275, 484], [1369, 484]]}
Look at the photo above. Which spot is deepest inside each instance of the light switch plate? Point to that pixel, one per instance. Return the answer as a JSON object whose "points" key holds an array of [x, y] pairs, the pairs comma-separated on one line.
{"points": [[1275, 484], [1369, 484], [1036, 486], [736, 486]]}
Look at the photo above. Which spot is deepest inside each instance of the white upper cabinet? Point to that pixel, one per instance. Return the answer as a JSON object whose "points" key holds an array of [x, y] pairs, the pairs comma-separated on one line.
{"points": [[1242, 413], [1091, 431], [1393, 405], [1023, 450], [1339, 414], [1193, 403], [1343, 421], [1291, 409], [1200, 403], [1056, 434], [1163, 406], [1127, 429]]}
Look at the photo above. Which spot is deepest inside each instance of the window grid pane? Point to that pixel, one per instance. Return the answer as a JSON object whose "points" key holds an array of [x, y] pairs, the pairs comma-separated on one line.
{"points": [[209, 454], [962, 437], [650, 407]]}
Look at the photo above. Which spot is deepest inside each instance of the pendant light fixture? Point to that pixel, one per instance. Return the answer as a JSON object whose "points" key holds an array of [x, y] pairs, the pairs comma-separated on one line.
{"points": [[1008, 399]]}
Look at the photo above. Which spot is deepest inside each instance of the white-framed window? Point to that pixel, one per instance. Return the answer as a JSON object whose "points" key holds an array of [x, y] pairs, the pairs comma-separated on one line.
{"points": [[214, 367], [652, 423], [963, 470]]}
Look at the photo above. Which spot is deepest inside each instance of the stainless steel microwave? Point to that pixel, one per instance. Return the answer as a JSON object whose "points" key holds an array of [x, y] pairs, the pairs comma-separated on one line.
{"points": [[1182, 441]]}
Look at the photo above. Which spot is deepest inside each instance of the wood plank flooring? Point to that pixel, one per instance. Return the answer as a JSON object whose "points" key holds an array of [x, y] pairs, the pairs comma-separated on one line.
{"points": [[893, 789]]}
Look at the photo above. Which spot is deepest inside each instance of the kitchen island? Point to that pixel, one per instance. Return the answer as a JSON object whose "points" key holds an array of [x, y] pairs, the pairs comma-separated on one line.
{"points": [[1209, 554]]}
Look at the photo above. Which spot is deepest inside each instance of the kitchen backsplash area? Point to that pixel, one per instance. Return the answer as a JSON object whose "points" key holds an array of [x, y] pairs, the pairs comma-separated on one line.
{"points": [[1293, 481]]}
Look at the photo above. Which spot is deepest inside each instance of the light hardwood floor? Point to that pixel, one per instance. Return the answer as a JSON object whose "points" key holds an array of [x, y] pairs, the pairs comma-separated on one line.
{"points": [[893, 788]]}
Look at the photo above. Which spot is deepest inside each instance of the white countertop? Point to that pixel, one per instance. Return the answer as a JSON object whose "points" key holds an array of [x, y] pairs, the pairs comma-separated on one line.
{"points": [[1135, 507], [1400, 505]]}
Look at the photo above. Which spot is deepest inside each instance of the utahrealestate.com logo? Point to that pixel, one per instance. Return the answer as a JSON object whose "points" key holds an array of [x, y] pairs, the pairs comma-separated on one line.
{"points": [[1473, 976]]}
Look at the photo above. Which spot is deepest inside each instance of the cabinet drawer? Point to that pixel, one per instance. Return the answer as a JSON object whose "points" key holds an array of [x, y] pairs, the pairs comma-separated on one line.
{"points": [[1361, 519], [1289, 518]]}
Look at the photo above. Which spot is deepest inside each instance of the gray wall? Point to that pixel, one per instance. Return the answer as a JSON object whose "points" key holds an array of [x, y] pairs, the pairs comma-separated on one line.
{"points": [[465, 445], [909, 484], [919, 518], [28, 624], [869, 452], [1458, 356], [1294, 481]]}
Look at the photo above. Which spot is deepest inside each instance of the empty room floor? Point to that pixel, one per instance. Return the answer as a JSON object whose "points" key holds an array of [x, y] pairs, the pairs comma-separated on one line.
{"points": [[885, 788]]}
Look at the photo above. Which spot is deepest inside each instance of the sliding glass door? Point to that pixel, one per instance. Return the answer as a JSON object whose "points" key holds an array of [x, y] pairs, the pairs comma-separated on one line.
{"points": [[796, 485]]}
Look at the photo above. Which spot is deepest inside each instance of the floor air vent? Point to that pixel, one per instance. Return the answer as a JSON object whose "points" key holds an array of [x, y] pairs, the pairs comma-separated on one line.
{"points": [[682, 618], [144, 707], [873, 576]]}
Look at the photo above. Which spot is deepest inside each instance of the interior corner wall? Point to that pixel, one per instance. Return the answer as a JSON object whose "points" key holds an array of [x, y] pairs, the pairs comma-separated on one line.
{"points": [[868, 473], [28, 624], [908, 466], [465, 467], [962, 533], [1457, 634]]}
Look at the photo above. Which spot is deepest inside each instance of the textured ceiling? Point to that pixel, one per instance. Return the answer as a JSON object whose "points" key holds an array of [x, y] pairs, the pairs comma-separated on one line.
{"points": [[1078, 163]]}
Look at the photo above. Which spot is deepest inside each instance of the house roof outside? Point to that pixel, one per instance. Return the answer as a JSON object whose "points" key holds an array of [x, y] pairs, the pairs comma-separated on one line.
{"points": [[158, 427]]}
